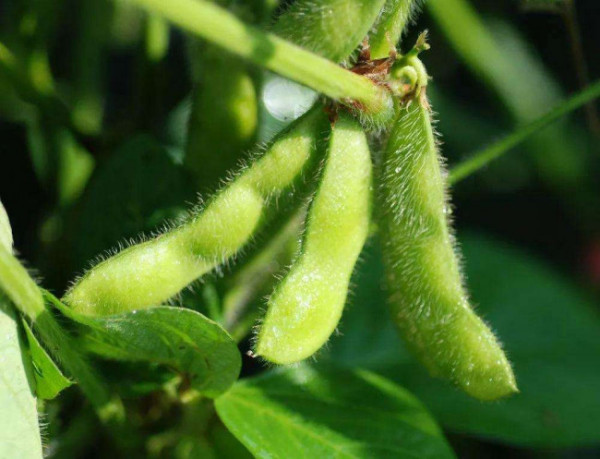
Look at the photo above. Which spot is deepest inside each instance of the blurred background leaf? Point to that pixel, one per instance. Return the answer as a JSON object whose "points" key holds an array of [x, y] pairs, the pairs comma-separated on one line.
{"points": [[550, 331], [138, 189]]}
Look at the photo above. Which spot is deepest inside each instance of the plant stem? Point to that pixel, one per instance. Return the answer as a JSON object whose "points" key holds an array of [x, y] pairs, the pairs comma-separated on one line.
{"points": [[483, 157], [23, 292], [390, 27], [222, 28]]}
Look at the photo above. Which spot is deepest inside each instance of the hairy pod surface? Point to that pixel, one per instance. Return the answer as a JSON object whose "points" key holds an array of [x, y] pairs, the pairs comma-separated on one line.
{"points": [[331, 28], [427, 296], [307, 305], [149, 273]]}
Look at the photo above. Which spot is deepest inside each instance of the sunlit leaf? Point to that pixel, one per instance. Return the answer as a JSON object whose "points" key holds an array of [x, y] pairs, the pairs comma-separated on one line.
{"points": [[19, 430], [179, 338], [303, 412]]}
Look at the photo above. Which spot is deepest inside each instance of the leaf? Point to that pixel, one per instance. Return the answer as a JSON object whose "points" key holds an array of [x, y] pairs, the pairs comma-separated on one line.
{"points": [[134, 379], [6, 237], [176, 337], [549, 330], [225, 444], [138, 189], [19, 430], [49, 380], [303, 412]]}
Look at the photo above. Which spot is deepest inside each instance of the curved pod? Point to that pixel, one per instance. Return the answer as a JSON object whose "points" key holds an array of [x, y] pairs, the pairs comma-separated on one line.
{"points": [[149, 273], [307, 305]]}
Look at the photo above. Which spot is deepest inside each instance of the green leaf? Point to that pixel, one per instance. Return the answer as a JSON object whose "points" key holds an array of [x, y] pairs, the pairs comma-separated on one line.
{"points": [[550, 332], [49, 380], [135, 379], [137, 190], [19, 430], [303, 412], [225, 444], [6, 237], [179, 338]]}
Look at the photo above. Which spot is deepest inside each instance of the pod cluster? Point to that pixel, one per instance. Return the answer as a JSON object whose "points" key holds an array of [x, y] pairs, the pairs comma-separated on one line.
{"points": [[326, 154]]}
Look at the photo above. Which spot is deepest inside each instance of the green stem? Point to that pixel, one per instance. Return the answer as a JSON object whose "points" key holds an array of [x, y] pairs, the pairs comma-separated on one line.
{"points": [[23, 292], [485, 156], [222, 28], [391, 26]]}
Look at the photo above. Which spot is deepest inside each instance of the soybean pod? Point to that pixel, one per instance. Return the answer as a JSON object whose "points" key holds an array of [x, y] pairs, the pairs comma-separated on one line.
{"points": [[149, 273], [427, 296], [306, 306], [331, 28]]}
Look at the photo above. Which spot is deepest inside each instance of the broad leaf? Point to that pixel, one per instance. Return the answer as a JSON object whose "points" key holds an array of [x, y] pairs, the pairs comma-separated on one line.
{"points": [[550, 332], [176, 337], [304, 412], [19, 430], [49, 380]]}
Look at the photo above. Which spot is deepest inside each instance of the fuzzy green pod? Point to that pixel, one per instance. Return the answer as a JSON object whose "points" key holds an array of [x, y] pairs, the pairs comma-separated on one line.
{"points": [[149, 273], [427, 296], [307, 305], [331, 28]]}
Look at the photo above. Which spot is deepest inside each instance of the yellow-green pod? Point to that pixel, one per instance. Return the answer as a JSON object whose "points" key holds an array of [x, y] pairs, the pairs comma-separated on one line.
{"points": [[149, 273], [306, 306], [427, 296]]}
